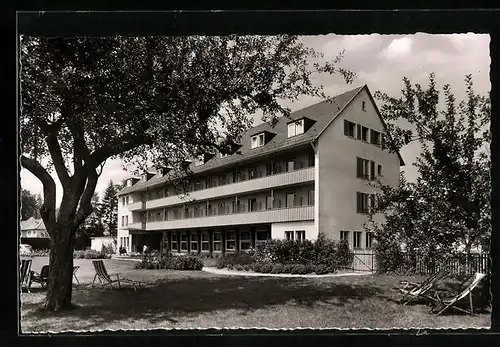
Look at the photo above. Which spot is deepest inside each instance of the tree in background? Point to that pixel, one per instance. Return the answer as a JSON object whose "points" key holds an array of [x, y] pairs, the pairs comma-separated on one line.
{"points": [[159, 99], [30, 205], [91, 227], [108, 209], [449, 204]]}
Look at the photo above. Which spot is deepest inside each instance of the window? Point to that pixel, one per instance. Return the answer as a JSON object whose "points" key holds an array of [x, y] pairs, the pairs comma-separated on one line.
{"points": [[230, 241], [123, 221], [222, 180], [365, 168], [123, 201], [379, 170], [252, 173], [167, 192], [358, 131], [217, 242], [310, 197], [364, 134], [290, 200], [311, 159], [127, 200], [269, 202], [363, 106], [289, 235], [349, 128], [362, 202], [252, 205], [126, 220], [236, 206], [373, 201], [375, 137], [368, 239], [262, 235], [186, 212], [194, 242], [300, 235], [291, 165], [174, 246], [222, 209], [184, 244], [159, 215], [257, 141], [127, 242], [356, 239], [245, 240], [205, 242], [296, 128], [344, 235], [269, 169]]}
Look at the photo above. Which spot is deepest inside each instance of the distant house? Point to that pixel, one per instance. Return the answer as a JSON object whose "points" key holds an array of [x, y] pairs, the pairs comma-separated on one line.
{"points": [[34, 233], [99, 241]]}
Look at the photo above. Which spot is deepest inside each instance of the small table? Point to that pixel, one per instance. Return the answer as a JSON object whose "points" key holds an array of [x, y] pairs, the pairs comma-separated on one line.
{"points": [[75, 269]]}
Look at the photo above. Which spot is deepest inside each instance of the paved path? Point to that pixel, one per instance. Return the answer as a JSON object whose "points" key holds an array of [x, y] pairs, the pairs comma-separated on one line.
{"points": [[216, 271]]}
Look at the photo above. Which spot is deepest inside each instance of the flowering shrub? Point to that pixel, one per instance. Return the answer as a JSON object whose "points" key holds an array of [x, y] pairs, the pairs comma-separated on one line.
{"points": [[233, 259]]}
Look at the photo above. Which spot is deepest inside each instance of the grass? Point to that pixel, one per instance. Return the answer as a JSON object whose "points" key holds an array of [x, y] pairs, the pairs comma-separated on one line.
{"points": [[195, 299]]}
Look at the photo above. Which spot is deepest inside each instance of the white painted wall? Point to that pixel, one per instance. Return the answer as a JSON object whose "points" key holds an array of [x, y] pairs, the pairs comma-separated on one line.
{"points": [[97, 243], [338, 182], [121, 232], [278, 229]]}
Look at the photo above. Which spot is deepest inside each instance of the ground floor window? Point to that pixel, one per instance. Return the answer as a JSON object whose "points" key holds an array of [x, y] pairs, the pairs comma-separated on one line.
{"points": [[369, 239], [217, 243], [205, 242], [262, 235], [230, 241], [174, 246], [184, 244], [356, 239], [245, 240], [289, 235], [194, 242], [344, 235], [300, 235]]}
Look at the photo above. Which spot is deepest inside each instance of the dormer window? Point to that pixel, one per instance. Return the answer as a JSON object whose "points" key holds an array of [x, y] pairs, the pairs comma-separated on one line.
{"points": [[258, 140], [296, 128]]}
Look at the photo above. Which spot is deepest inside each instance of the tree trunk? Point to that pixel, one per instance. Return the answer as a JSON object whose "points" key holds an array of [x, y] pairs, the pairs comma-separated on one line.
{"points": [[61, 268]]}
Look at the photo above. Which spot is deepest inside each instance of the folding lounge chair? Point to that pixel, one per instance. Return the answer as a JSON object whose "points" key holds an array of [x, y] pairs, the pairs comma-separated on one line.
{"points": [[421, 290], [75, 269], [42, 278], [25, 273], [104, 278], [452, 301]]}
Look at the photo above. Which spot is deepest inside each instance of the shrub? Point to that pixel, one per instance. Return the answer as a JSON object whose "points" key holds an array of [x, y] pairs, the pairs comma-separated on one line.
{"points": [[90, 254], [241, 258], [389, 257], [40, 253], [182, 262]]}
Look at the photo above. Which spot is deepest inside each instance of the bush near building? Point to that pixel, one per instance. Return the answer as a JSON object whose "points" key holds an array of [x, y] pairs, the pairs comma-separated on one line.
{"points": [[291, 257], [155, 261]]}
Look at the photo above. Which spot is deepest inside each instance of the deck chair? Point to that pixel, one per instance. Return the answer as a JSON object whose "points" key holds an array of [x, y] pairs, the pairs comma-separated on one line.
{"points": [[452, 301], [25, 274], [42, 278], [105, 278], [422, 290], [75, 269]]}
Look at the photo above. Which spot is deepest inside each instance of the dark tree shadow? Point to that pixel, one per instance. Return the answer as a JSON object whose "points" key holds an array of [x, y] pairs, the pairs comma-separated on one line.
{"points": [[171, 300]]}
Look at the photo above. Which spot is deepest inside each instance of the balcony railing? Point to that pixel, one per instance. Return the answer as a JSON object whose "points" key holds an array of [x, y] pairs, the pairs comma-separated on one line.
{"points": [[290, 214], [272, 181]]}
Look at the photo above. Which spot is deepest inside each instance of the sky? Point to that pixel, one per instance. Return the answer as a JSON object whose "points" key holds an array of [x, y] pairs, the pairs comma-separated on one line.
{"points": [[381, 62]]}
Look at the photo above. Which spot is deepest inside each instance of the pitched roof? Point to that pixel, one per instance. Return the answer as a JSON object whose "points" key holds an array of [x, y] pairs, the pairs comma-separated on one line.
{"points": [[322, 113], [32, 224]]}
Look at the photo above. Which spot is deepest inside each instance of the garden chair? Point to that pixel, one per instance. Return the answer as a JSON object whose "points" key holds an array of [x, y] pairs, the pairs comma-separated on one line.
{"points": [[464, 291], [422, 290], [25, 273], [42, 278], [105, 278], [75, 269]]}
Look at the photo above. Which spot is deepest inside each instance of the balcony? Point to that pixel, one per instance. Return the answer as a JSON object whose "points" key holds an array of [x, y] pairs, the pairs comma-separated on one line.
{"points": [[256, 184], [291, 214], [136, 206]]}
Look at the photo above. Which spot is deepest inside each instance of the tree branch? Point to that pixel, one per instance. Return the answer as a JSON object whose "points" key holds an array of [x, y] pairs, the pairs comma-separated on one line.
{"points": [[80, 149], [57, 158], [105, 152], [48, 209], [85, 208]]}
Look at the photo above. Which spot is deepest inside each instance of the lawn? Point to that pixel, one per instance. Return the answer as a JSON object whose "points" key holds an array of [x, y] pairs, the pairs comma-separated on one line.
{"points": [[196, 299]]}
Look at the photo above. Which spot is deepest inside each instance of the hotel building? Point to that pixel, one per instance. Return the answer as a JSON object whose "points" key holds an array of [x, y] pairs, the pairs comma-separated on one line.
{"points": [[307, 174]]}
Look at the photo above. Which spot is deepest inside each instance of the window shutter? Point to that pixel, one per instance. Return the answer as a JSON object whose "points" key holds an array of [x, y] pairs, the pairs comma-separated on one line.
{"points": [[372, 170], [358, 132]]}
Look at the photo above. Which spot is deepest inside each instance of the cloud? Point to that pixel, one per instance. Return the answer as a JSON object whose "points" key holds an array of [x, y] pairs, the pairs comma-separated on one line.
{"points": [[398, 48]]}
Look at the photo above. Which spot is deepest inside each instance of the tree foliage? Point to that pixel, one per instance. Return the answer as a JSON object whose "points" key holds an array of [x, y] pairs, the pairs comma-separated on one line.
{"points": [[160, 99], [449, 203], [30, 205], [108, 209]]}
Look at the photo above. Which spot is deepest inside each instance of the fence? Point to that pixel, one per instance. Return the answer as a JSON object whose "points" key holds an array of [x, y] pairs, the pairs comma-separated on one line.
{"points": [[457, 264]]}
